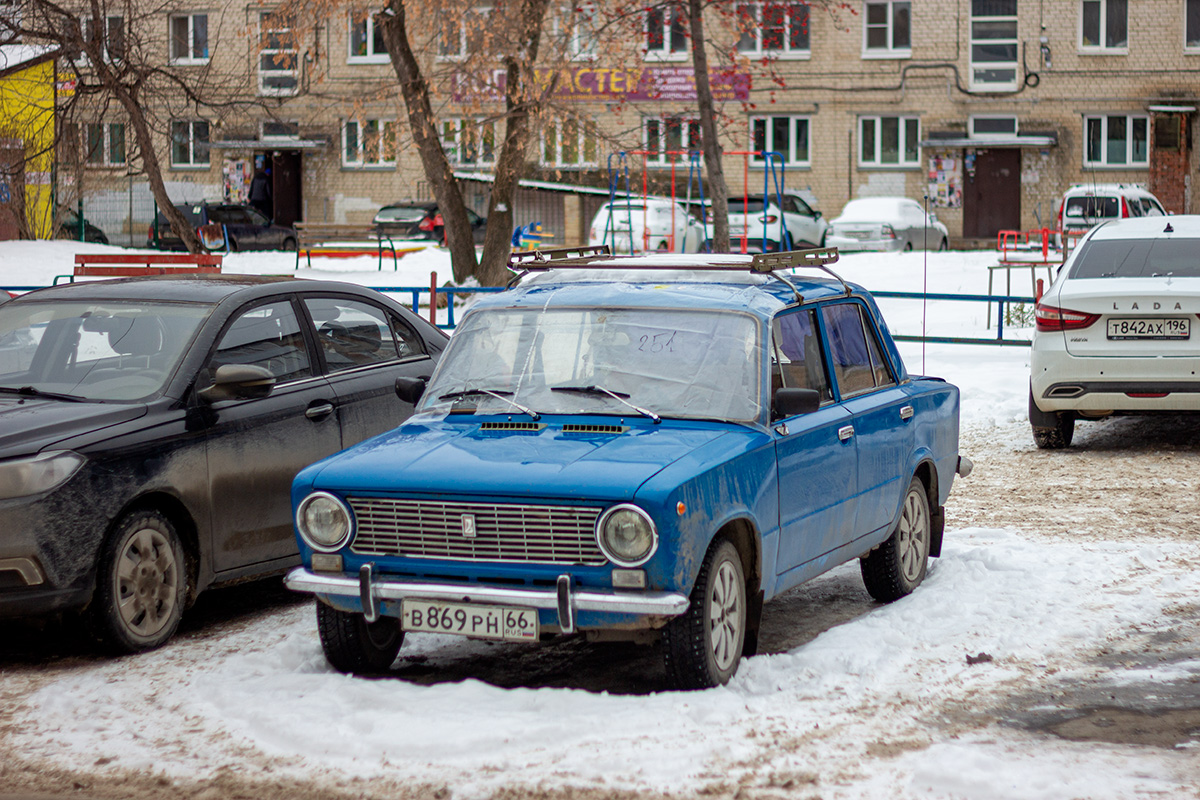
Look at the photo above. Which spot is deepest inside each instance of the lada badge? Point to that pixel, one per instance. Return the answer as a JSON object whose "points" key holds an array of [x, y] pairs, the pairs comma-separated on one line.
{"points": [[468, 525]]}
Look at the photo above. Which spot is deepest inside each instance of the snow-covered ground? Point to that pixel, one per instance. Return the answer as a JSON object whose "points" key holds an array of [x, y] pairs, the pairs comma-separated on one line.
{"points": [[880, 702]]}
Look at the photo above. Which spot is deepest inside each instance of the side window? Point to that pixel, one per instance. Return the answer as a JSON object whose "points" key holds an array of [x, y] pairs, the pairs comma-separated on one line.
{"points": [[354, 334], [858, 365], [266, 336], [796, 358]]}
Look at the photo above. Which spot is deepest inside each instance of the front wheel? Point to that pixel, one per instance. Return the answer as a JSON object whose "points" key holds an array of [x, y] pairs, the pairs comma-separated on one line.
{"points": [[352, 644], [897, 567], [141, 586], [944, 246], [703, 647]]}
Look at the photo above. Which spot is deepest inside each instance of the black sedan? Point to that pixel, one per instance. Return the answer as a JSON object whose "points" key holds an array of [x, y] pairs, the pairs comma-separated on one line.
{"points": [[224, 226], [422, 220], [150, 429]]}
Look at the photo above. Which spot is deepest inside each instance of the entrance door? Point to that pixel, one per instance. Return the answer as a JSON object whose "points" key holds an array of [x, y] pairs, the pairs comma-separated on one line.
{"points": [[992, 194], [285, 174]]}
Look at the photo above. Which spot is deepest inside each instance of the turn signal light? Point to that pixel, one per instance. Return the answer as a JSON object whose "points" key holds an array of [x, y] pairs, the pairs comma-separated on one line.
{"points": [[1052, 318]]}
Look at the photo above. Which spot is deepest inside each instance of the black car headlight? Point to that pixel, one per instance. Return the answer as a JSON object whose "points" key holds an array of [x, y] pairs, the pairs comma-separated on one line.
{"points": [[324, 521], [627, 535], [20, 477]]}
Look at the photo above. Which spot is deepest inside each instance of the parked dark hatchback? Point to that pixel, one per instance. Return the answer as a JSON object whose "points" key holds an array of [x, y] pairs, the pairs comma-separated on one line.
{"points": [[150, 429], [422, 220], [246, 227]]}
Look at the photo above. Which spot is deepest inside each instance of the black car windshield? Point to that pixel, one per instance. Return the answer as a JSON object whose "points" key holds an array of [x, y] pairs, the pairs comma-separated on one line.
{"points": [[1137, 258], [108, 350], [698, 364]]}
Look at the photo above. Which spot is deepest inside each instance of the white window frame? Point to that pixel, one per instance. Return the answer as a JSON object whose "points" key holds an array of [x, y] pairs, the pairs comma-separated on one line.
{"points": [[574, 27], [373, 160], [790, 156], [876, 161], [1102, 48], [463, 30], [191, 57], [1191, 10], [105, 147], [88, 23], [1103, 121], [451, 132], [755, 30], [271, 52], [891, 50], [585, 141], [672, 13], [977, 67], [975, 134], [192, 141], [689, 130], [367, 19]]}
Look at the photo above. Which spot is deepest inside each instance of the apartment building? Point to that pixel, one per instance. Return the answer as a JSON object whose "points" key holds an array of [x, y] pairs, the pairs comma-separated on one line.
{"points": [[988, 108]]}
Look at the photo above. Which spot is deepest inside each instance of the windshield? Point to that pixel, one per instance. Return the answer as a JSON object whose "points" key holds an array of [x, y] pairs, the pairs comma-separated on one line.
{"points": [[673, 363], [95, 350], [1137, 258]]}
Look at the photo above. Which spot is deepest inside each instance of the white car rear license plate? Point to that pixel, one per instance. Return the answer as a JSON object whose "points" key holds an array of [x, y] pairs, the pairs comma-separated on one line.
{"points": [[467, 619], [1133, 328]]}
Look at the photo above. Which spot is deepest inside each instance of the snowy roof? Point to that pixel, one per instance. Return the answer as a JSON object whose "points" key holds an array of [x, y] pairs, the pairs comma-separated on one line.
{"points": [[13, 56]]}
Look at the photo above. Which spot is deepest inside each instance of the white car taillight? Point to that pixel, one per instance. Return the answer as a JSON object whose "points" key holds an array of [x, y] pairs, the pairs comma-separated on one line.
{"points": [[887, 232]]}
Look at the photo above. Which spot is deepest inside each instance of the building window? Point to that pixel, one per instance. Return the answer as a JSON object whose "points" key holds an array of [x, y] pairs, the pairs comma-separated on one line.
{"points": [[666, 32], [575, 27], [787, 136], [189, 39], [984, 127], [369, 143], [669, 139], [105, 145], [366, 40], [108, 33], [773, 29], [189, 144], [278, 62], [569, 144], [1191, 25], [458, 38], [1116, 141], [1104, 25], [279, 130], [889, 141], [887, 30], [994, 45], [469, 142]]}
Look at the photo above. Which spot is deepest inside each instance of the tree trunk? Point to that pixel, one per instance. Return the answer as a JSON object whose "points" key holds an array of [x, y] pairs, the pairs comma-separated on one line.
{"points": [[718, 191], [422, 121]]}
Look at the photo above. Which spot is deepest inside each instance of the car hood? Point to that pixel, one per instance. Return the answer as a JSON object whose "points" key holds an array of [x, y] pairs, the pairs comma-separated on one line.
{"points": [[455, 457], [31, 424]]}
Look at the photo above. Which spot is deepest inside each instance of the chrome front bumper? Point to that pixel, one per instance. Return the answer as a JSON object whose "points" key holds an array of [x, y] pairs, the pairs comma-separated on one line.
{"points": [[563, 599]]}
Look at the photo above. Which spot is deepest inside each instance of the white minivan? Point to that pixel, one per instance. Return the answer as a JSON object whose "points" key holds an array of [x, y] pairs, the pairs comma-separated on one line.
{"points": [[1086, 205]]}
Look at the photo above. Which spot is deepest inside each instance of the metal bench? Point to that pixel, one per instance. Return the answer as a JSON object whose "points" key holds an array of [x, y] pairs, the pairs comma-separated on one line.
{"points": [[343, 240]]}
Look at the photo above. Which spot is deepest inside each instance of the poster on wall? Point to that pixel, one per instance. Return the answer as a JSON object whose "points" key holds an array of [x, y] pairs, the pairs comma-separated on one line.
{"points": [[945, 181], [236, 176]]}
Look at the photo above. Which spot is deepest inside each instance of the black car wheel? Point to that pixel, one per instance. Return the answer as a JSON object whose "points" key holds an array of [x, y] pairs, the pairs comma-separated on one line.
{"points": [[288, 246], [142, 584], [352, 644], [897, 567], [1052, 430], [703, 647]]}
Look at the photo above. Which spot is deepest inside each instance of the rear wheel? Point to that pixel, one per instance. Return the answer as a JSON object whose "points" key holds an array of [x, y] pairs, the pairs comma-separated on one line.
{"points": [[944, 246], [1052, 430], [289, 245], [897, 567], [352, 644], [703, 647]]}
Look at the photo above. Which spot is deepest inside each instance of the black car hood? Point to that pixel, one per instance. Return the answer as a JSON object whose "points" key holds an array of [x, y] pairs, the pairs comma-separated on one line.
{"points": [[31, 424]]}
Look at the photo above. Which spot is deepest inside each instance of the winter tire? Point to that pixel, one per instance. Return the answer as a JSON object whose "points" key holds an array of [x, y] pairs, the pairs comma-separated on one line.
{"points": [[897, 567], [944, 246], [141, 586], [289, 246], [353, 645], [1051, 430], [703, 647]]}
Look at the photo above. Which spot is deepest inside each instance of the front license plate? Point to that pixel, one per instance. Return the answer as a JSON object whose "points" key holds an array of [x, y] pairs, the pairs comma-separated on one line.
{"points": [[1166, 328], [468, 619]]}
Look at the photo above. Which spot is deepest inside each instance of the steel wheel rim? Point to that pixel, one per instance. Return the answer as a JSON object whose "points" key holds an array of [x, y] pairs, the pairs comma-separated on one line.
{"points": [[725, 617], [914, 536], [147, 582]]}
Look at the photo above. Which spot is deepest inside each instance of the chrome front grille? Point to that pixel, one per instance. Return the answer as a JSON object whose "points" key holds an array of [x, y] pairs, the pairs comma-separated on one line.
{"points": [[476, 531]]}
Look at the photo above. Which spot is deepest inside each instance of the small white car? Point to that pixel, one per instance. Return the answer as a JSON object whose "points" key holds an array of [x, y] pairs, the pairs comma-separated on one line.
{"points": [[646, 224], [1086, 205], [783, 221], [1118, 332], [887, 224]]}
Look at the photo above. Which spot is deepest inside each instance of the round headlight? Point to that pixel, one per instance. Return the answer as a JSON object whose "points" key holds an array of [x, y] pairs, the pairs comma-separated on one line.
{"points": [[324, 521], [627, 535]]}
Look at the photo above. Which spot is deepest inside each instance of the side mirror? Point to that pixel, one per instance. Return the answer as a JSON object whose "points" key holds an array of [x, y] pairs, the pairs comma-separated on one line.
{"points": [[238, 382], [410, 389], [816, 214], [794, 402]]}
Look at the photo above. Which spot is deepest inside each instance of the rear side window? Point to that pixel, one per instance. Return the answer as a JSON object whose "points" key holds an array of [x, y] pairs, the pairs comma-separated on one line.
{"points": [[1092, 208], [354, 334], [1138, 258], [858, 364]]}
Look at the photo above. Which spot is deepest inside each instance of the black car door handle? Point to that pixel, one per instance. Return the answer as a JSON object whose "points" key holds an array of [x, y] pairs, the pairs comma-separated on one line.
{"points": [[319, 410]]}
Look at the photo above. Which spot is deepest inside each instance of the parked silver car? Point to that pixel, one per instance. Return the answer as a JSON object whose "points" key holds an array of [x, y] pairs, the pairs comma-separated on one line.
{"points": [[887, 224]]}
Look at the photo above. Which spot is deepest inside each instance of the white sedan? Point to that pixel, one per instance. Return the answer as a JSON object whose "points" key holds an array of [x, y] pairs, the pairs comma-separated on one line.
{"points": [[1117, 330], [888, 224]]}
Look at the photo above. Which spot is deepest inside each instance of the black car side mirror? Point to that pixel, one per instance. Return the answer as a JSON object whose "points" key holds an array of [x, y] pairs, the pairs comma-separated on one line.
{"points": [[793, 402], [410, 389], [238, 382]]}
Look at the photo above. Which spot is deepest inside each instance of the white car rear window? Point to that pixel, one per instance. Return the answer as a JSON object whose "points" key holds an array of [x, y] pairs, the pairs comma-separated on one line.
{"points": [[1138, 258]]}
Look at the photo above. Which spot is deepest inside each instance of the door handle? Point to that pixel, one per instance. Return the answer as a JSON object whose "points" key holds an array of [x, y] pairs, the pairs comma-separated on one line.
{"points": [[846, 432], [319, 410], [906, 412]]}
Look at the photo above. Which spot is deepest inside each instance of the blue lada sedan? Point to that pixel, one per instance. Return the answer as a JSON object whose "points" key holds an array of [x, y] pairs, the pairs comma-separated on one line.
{"points": [[634, 447]]}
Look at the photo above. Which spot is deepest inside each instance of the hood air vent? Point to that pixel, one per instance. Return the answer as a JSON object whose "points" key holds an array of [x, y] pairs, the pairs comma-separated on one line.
{"points": [[512, 426], [608, 430]]}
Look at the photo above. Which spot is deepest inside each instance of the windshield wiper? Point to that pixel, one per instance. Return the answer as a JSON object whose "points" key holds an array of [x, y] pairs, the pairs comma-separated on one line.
{"points": [[499, 395], [33, 391], [618, 396]]}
